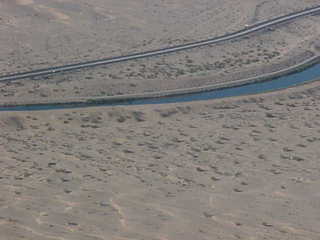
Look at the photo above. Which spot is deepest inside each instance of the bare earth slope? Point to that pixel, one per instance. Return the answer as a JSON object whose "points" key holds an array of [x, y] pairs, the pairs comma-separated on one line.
{"points": [[243, 168]]}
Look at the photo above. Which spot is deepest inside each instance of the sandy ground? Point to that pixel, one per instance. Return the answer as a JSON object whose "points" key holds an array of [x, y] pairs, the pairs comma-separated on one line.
{"points": [[241, 168], [38, 34]]}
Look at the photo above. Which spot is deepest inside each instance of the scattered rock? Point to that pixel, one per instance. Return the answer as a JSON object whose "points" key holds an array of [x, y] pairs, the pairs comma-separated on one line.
{"points": [[203, 169], [208, 214], [139, 116], [237, 190], [104, 204], [267, 224]]}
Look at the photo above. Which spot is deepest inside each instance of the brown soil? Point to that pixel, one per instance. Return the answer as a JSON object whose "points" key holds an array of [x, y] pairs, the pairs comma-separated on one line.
{"points": [[241, 168], [39, 34]]}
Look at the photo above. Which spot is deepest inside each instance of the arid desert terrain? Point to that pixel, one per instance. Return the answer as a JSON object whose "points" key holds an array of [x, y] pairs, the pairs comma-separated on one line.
{"points": [[38, 34], [241, 168], [236, 168]]}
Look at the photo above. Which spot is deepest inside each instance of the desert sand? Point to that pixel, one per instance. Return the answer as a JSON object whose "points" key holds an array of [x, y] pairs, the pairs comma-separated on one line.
{"points": [[240, 168], [237, 168], [40, 34]]}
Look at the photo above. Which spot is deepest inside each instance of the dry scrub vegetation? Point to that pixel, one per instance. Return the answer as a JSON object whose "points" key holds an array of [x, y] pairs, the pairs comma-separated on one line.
{"points": [[77, 31], [244, 168]]}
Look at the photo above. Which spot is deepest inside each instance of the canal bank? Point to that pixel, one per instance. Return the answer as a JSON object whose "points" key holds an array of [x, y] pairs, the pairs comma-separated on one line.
{"points": [[302, 73]]}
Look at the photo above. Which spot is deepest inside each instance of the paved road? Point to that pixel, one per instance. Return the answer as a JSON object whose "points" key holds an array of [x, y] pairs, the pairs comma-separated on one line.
{"points": [[241, 33]]}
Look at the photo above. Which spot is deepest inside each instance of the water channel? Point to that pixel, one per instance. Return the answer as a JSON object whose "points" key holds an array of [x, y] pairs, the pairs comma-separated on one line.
{"points": [[305, 76]]}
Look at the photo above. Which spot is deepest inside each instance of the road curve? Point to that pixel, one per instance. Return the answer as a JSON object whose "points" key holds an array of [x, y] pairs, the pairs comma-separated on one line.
{"points": [[241, 33]]}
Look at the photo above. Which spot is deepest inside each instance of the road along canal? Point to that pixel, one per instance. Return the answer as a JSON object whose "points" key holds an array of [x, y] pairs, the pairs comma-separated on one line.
{"points": [[306, 75]]}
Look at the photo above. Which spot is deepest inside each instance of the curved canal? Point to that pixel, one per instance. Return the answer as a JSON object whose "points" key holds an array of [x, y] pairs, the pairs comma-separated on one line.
{"points": [[308, 75]]}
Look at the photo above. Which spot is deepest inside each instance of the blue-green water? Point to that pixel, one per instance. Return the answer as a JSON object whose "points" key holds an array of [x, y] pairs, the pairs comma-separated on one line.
{"points": [[307, 75]]}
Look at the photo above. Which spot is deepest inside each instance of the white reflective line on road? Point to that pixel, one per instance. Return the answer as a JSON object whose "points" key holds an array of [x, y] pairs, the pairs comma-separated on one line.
{"points": [[243, 32]]}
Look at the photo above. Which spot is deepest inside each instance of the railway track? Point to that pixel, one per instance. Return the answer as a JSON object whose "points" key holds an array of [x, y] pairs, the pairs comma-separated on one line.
{"points": [[168, 50]]}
